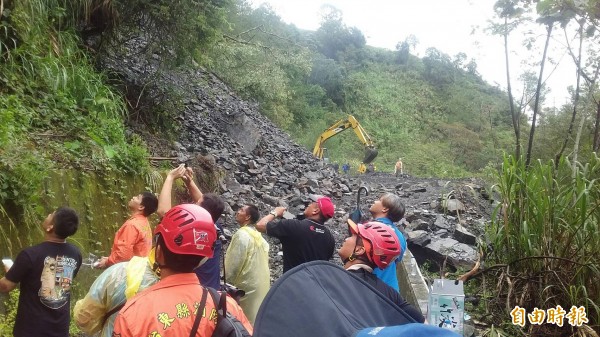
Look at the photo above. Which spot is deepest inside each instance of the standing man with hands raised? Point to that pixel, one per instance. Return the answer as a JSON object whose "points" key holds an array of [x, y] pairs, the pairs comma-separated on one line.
{"points": [[210, 272], [134, 238], [302, 240]]}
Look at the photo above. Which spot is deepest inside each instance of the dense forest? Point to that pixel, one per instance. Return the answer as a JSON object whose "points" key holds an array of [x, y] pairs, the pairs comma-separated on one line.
{"points": [[57, 110]]}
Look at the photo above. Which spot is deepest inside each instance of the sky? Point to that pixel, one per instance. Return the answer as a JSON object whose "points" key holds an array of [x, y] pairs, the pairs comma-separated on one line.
{"points": [[451, 26]]}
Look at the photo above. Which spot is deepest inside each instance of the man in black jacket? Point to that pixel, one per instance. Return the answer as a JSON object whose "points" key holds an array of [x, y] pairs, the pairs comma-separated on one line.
{"points": [[302, 240]]}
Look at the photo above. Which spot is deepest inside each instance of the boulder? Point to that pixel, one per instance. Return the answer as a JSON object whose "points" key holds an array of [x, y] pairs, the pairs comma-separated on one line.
{"points": [[462, 235], [453, 206], [419, 238]]}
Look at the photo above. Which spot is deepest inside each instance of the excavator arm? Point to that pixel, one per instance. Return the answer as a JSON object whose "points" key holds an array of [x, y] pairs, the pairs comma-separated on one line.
{"points": [[341, 125]]}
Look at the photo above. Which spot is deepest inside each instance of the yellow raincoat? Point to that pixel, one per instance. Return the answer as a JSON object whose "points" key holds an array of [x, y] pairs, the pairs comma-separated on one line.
{"points": [[247, 268], [116, 284]]}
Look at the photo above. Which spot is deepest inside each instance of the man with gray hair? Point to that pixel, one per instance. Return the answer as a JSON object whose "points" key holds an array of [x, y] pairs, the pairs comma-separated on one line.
{"points": [[389, 209]]}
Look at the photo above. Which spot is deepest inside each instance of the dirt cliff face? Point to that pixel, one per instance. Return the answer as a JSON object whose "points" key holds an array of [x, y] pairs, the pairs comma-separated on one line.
{"points": [[254, 162]]}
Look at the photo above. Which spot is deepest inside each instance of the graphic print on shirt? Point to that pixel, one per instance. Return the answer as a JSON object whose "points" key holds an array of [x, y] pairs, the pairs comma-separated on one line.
{"points": [[56, 278]]}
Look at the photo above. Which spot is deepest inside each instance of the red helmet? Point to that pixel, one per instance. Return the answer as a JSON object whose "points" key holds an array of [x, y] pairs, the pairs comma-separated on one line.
{"points": [[380, 241], [188, 229]]}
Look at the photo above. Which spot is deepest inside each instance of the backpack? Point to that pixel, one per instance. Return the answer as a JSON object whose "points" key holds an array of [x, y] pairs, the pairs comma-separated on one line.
{"points": [[227, 324], [320, 299]]}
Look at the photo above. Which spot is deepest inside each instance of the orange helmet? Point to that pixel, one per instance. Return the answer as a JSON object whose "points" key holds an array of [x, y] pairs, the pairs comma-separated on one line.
{"points": [[188, 229], [380, 241]]}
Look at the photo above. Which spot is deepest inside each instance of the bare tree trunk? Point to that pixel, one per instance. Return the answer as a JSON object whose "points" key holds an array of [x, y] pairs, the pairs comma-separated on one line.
{"points": [[514, 114], [575, 103], [597, 129], [537, 96], [576, 146]]}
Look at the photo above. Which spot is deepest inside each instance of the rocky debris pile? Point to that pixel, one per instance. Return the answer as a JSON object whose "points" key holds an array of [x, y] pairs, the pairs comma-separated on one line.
{"points": [[259, 164], [444, 220]]}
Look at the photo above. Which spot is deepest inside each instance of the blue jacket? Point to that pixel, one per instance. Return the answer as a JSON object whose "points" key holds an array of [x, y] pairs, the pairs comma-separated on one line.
{"points": [[388, 275], [209, 273]]}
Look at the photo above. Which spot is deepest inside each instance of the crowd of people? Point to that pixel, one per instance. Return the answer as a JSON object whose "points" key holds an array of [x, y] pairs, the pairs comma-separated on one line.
{"points": [[155, 283]]}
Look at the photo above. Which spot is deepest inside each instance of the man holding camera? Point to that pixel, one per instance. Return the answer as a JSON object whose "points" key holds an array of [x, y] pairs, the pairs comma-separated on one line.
{"points": [[210, 272], [302, 240], [247, 261], [178, 305]]}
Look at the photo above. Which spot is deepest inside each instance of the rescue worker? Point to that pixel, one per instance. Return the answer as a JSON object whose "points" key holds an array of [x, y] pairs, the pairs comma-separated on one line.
{"points": [[346, 168], [185, 238], [389, 209], [399, 168], [210, 272], [302, 240], [247, 261], [97, 311], [374, 245], [134, 238]]}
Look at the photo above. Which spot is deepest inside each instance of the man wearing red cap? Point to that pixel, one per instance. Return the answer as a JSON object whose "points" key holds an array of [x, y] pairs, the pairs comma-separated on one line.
{"points": [[302, 240]]}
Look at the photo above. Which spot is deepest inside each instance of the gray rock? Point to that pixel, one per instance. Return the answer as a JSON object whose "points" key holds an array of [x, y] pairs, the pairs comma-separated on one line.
{"points": [[313, 175], [462, 235], [453, 206], [418, 225], [441, 233], [441, 223], [458, 254], [418, 189], [419, 238]]}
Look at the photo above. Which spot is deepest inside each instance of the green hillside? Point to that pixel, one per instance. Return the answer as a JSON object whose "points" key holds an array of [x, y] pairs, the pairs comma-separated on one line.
{"points": [[435, 112]]}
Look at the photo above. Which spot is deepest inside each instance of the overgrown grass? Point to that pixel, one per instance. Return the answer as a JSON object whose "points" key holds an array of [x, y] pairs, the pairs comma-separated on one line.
{"points": [[7, 321], [546, 242]]}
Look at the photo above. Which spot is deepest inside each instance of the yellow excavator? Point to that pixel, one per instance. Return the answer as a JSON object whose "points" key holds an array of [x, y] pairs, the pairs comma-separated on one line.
{"points": [[341, 125]]}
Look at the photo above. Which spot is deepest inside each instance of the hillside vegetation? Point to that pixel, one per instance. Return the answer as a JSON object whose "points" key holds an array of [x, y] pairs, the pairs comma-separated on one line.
{"points": [[59, 111], [435, 112]]}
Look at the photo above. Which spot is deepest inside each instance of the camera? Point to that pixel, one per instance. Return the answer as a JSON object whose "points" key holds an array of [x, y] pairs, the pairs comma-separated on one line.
{"points": [[234, 292], [223, 235]]}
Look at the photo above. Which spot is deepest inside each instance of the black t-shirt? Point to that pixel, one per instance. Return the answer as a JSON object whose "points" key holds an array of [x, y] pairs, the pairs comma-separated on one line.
{"points": [[302, 241], [389, 292], [44, 273]]}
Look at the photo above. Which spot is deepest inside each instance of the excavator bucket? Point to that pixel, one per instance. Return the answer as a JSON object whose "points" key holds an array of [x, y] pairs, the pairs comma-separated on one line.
{"points": [[370, 155]]}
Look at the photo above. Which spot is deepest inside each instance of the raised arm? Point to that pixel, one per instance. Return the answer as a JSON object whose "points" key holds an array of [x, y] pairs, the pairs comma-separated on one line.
{"points": [[164, 198], [193, 190], [261, 225]]}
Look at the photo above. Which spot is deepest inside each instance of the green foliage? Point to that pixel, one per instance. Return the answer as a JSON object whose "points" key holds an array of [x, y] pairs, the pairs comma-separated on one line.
{"points": [[546, 233], [329, 75], [452, 126], [176, 30], [56, 111], [7, 321], [334, 37], [269, 70]]}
